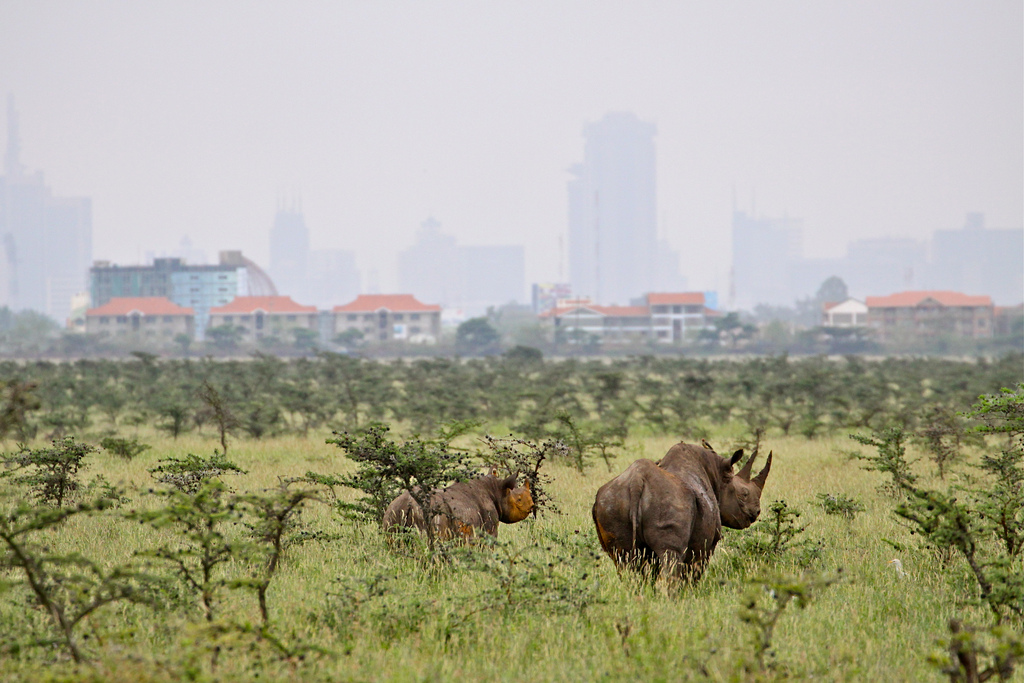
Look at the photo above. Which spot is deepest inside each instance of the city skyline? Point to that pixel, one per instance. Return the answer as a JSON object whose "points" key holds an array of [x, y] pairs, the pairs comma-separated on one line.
{"points": [[904, 119]]}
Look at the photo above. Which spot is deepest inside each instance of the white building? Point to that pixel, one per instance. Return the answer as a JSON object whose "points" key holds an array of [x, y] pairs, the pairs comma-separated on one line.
{"points": [[849, 313]]}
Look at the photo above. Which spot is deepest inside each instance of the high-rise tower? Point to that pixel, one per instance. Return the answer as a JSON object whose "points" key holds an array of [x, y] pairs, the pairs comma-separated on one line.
{"points": [[612, 213], [45, 241], [289, 253]]}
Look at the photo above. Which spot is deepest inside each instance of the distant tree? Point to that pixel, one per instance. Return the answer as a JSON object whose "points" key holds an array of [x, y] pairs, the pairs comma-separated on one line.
{"points": [[305, 339], [832, 290], [476, 335], [350, 338], [224, 337], [184, 341]]}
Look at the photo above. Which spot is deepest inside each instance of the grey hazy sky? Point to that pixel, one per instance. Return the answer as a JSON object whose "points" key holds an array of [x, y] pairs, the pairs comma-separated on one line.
{"points": [[194, 118]]}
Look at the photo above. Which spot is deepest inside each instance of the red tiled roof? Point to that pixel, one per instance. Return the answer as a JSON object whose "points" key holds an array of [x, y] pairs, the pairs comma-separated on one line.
{"points": [[399, 303], [267, 304], [145, 305], [676, 298], [912, 299], [617, 311]]}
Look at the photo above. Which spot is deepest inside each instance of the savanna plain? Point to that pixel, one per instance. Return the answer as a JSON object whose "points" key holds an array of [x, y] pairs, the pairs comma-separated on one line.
{"points": [[169, 578]]}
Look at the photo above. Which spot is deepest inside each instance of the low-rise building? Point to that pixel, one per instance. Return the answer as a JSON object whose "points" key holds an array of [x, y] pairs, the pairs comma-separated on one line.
{"points": [[264, 316], [849, 313], [386, 317], [580, 321], [665, 317], [674, 313], [931, 313], [157, 318]]}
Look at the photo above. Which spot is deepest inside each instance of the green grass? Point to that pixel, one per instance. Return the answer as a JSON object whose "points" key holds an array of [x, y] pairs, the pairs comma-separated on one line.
{"points": [[436, 622]]}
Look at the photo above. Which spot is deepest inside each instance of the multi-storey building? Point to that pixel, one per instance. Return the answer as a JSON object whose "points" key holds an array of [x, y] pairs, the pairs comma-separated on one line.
{"points": [[386, 317], [931, 313], [265, 316], [979, 259], [289, 253], [584, 322], [612, 211], [144, 318], [469, 277], [675, 314], [45, 241], [664, 317], [764, 252], [200, 287]]}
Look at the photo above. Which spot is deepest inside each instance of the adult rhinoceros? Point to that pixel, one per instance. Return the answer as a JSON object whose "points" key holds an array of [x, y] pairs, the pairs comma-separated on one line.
{"points": [[464, 507], [669, 514]]}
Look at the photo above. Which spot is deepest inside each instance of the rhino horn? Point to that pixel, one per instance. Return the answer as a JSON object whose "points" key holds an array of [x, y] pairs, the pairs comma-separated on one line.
{"points": [[762, 476], [748, 467], [736, 457]]}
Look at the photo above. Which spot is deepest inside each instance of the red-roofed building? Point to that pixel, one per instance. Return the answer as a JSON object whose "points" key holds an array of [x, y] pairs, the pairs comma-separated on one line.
{"points": [[150, 316], [264, 316], [673, 313], [582, 321], [931, 313], [385, 317], [666, 317]]}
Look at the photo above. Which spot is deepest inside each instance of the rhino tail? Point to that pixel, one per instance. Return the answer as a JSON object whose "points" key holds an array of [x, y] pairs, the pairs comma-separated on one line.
{"points": [[636, 493]]}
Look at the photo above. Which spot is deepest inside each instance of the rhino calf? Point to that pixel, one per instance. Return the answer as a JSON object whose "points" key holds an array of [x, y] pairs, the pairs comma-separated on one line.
{"points": [[670, 514], [464, 507]]}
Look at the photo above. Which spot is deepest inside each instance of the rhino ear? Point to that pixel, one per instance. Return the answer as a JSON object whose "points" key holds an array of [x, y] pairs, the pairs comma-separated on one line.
{"points": [[508, 482], [762, 476], [736, 457]]}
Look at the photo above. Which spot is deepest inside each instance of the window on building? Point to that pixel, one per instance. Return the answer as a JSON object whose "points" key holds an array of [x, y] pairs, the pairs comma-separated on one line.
{"points": [[660, 309], [368, 316], [397, 316], [245, 318], [228, 319], [677, 309], [104, 320], [414, 330], [168, 319], [150, 320], [291, 318], [414, 316], [122, 318], [352, 316]]}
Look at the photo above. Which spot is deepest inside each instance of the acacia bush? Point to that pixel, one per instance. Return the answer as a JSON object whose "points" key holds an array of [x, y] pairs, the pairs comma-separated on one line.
{"points": [[813, 396]]}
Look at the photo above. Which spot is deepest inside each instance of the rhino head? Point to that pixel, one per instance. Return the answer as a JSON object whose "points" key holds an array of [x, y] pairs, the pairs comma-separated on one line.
{"points": [[514, 504], [740, 503]]}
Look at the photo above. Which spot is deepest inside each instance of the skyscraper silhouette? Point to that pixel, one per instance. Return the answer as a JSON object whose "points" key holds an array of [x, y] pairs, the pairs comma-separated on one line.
{"points": [[612, 212]]}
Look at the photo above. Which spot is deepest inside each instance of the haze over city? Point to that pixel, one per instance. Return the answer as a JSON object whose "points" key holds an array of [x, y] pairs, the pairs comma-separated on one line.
{"points": [[862, 119]]}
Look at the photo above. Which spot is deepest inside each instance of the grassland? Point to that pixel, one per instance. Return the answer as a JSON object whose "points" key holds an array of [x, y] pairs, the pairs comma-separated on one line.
{"points": [[384, 614]]}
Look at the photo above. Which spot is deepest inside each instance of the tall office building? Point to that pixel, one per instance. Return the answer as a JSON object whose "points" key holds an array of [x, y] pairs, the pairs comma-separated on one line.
{"points": [[437, 270], [979, 260], [764, 251], [612, 212], [333, 277], [289, 253], [46, 240]]}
